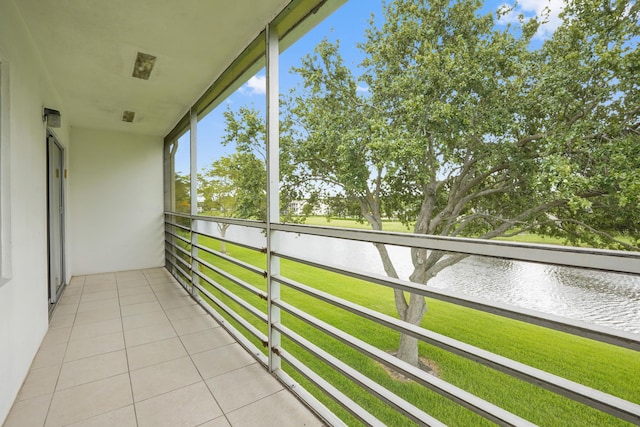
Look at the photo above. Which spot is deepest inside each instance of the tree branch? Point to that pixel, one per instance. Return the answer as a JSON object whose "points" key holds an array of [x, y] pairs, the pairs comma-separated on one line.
{"points": [[597, 232]]}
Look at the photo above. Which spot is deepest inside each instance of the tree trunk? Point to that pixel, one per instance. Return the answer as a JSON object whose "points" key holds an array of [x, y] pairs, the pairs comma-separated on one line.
{"points": [[223, 232], [415, 310], [411, 311], [408, 348]]}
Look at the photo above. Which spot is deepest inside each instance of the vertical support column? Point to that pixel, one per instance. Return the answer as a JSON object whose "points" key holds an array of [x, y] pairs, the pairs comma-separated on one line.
{"points": [[273, 195], [193, 193], [170, 149]]}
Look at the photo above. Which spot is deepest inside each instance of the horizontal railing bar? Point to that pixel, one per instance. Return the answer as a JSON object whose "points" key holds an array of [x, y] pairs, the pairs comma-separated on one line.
{"points": [[605, 402], [588, 258], [233, 221], [599, 333], [181, 276], [335, 394], [402, 406], [232, 260], [183, 283], [181, 215], [462, 397], [242, 303], [291, 384], [173, 264], [235, 316], [233, 242], [234, 332], [179, 248], [182, 261], [183, 227], [184, 273], [234, 279], [558, 323], [316, 406], [184, 239], [594, 259]]}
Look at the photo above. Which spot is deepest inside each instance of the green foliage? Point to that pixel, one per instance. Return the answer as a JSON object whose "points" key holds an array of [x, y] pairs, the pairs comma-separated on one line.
{"points": [[343, 207], [469, 129], [235, 187], [182, 188], [240, 180], [466, 130]]}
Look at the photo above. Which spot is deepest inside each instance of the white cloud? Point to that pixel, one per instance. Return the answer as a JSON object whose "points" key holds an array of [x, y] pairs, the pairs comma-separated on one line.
{"points": [[545, 10], [257, 85], [362, 88]]}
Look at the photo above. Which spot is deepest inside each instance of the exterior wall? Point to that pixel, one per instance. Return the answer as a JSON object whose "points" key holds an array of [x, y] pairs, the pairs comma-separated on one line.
{"points": [[23, 235], [116, 201]]}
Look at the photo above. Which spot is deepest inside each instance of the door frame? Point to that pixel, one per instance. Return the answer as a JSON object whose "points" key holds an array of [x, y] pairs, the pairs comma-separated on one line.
{"points": [[55, 289]]}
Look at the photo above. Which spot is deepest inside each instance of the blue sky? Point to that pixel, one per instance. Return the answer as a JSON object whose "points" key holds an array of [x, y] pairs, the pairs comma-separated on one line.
{"points": [[348, 25]]}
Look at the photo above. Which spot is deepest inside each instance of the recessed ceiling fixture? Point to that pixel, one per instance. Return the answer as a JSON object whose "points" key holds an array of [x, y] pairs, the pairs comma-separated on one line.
{"points": [[143, 66], [127, 116]]}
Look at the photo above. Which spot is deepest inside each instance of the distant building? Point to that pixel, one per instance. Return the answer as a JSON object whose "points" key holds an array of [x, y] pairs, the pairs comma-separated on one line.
{"points": [[296, 207]]}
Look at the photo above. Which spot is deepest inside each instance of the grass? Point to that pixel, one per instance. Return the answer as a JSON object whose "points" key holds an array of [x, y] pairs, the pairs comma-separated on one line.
{"points": [[389, 225], [601, 366]]}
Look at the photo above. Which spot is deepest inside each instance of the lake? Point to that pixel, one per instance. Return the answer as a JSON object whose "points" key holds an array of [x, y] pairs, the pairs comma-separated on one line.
{"points": [[600, 298]]}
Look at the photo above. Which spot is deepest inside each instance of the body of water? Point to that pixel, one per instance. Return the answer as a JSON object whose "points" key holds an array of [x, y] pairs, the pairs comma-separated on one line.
{"points": [[606, 299]]}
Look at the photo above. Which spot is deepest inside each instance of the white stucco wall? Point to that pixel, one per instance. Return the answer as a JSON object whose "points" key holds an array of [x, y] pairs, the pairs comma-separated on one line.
{"points": [[116, 201], [23, 287]]}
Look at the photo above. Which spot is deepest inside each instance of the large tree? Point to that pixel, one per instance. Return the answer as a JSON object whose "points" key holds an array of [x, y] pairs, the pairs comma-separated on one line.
{"points": [[246, 130], [182, 194], [234, 186], [469, 128]]}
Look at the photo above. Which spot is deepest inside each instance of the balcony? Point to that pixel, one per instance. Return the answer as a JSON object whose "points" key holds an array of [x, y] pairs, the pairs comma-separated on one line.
{"points": [[144, 347], [133, 348], [118, 305]]}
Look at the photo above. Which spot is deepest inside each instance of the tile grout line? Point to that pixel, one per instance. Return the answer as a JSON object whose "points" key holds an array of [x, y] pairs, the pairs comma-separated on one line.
{"points": [[165, 283], [191, 359], [66, 348], [69, 341], [126, 347], [126, 357]]}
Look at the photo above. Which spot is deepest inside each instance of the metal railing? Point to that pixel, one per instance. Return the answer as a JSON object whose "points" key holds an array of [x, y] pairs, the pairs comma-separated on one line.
{"points": [[241, 307]]}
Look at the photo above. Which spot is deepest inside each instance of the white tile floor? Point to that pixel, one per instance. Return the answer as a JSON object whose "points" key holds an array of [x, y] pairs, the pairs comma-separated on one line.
{"points": [[133, 349]]}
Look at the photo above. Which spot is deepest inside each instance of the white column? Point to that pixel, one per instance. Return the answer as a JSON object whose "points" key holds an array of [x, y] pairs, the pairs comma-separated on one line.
{"points": [[193, 192], [273, 195]]}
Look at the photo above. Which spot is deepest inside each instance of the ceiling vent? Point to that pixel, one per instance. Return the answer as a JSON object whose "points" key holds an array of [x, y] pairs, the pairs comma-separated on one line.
{"points": [[128, 116], [143, 66]]}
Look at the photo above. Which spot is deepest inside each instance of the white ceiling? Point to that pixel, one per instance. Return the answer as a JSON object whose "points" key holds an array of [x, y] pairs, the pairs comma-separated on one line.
{"points": [[89, 48]]}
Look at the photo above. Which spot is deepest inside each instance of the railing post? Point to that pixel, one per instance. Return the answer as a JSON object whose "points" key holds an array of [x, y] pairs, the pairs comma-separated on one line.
{"points": [[273, 195], [193, 140]]}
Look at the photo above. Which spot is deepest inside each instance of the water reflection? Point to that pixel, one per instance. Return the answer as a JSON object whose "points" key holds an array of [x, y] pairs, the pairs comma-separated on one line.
{"points": [[606, 299]]}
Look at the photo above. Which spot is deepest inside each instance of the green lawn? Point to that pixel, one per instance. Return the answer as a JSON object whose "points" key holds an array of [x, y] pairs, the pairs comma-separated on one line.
{"points": [[350, 223], [601, 366], [389, 225]]}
